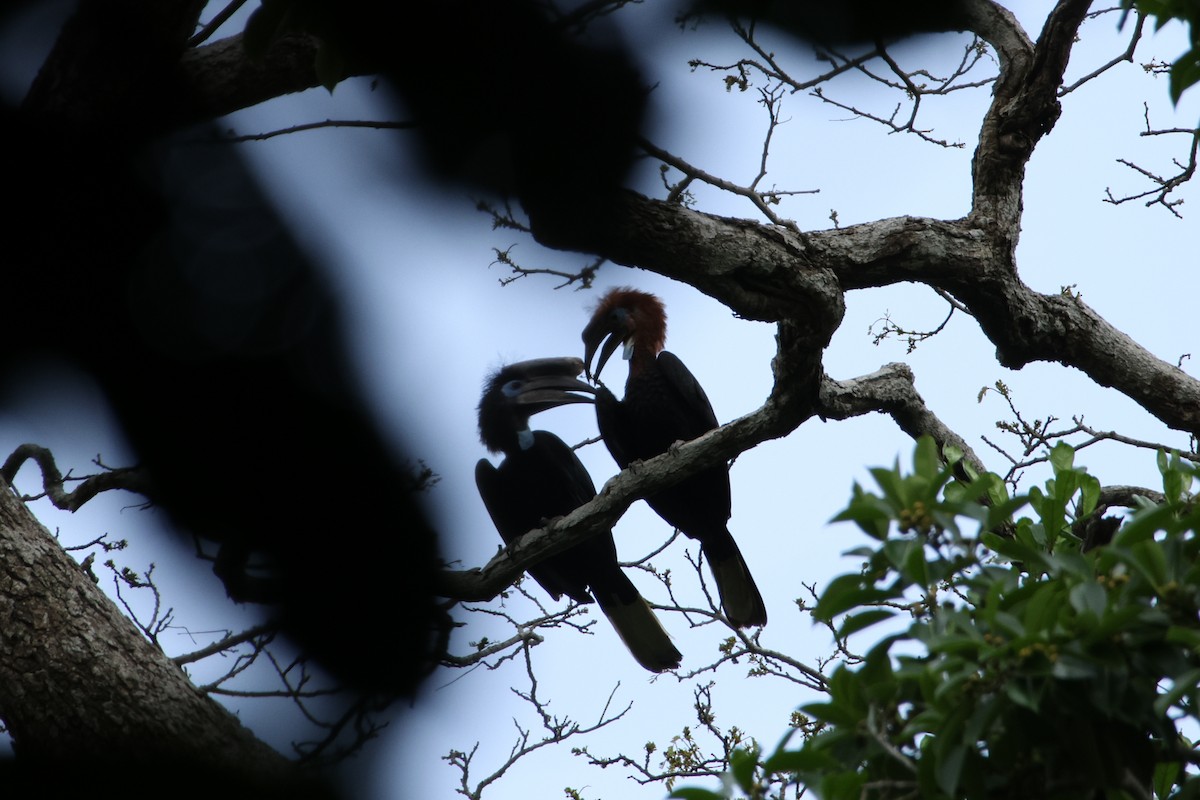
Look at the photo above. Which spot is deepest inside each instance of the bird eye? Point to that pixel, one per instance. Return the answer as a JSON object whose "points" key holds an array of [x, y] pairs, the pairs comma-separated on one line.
{"points": [[512, 388]]}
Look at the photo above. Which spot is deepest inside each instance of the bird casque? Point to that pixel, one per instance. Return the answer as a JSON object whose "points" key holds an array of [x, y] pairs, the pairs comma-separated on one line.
{"points": [[664, 404], [539, 479]]}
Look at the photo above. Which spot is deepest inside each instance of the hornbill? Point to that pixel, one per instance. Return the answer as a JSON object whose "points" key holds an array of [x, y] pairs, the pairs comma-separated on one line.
{"points": [[665, 404], [541, 478]]}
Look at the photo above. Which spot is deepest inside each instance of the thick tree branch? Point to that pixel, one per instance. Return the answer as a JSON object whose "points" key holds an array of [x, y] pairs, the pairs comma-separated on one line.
{"points": [[1024, 107], [760, 271], [220, 78], [152, 712], [891, 390], [1025, 325], [764, 272], [773, 420]]}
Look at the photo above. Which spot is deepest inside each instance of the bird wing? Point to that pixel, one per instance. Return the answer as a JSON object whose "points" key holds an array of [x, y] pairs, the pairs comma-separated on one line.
{"points": [[700, 417], [610, 419], [492, 490], [532, 486], [567, 469]]}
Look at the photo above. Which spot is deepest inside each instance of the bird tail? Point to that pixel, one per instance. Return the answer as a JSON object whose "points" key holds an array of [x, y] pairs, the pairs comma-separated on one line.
{"points": [[640, 630], [740, 598]]}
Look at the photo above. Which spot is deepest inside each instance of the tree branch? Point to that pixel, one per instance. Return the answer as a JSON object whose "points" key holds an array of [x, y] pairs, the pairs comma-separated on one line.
{"points": [[797, 370], [891, 390], [153, 712], [763, 273], [128, 478], [640, 479], [221, 78]]}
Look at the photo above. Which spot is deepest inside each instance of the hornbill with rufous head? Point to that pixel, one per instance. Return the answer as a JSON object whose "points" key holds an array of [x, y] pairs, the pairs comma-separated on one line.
{"points": [[540, 479], [665, 404]]}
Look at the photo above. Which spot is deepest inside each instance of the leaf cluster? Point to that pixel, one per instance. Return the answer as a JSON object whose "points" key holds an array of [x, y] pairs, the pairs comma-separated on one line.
{"points": [[1032, 667]]}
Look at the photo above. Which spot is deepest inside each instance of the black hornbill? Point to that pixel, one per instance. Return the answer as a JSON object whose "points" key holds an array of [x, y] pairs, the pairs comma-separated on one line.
{"points": [[541, 478], [664, 404]]}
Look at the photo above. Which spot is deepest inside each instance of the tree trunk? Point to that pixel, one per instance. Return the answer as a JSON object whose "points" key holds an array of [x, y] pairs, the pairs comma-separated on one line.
{"points": [[80, 685]]}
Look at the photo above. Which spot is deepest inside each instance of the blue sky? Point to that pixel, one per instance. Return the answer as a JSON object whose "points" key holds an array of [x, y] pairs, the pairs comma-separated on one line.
{"points": [[412, 262]]}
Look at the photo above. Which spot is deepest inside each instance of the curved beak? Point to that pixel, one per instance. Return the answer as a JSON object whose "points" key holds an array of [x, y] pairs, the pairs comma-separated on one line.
{"points": [[552, 382], [593, 335]]}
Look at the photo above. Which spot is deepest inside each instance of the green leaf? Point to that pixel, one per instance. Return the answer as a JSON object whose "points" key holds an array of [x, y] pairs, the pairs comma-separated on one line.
{"points": [[1182, 685], [1014, 550], [865, 619], [1089, 598], [954, 455], [915, 565], [1090, 497], [981, 718], [1149, 559], [741, 764], [848, 785], [891, 483], [1143, 525], [1072, 668], [1042, 611], [1071, 563], [695, 793], [870, 513], [1165, 775], [1003, 507], [1172, 484], [833, 713], [807, 759], [1188, 637], [1185, 73], [1023, 695], [949, 768], [844, 593], [1037, 498], [926, 461], [1062, 457], [907, 557]]}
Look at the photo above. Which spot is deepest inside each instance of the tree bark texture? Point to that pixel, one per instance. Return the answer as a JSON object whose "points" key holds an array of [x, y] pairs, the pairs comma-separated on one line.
{"points": [[80, 684]]}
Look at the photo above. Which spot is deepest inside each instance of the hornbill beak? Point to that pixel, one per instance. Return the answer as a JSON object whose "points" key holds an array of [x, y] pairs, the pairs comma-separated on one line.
{"points": [[593, 335], [550, 382]]}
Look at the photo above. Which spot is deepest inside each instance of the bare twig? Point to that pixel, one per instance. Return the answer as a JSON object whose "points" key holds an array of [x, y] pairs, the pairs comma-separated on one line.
{"points": [[230, 641], [1162, 187], [554, 731], [381, 125], [221, 17], [761, 200], [584, 277], [1126, 56]]}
